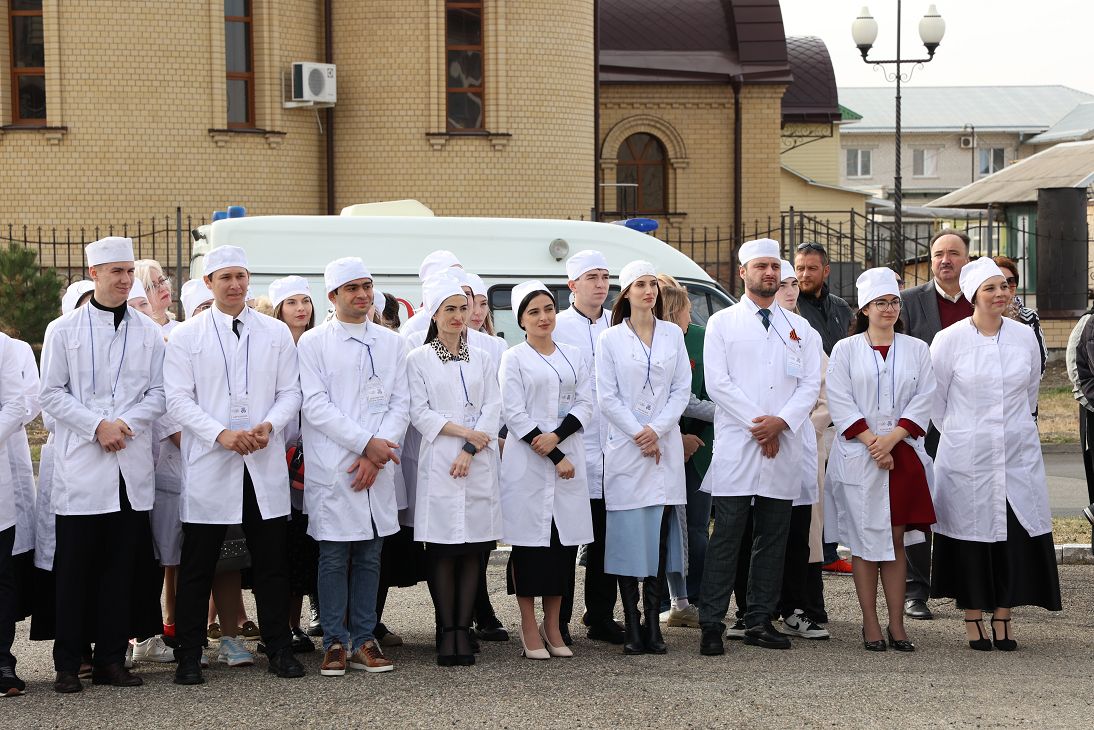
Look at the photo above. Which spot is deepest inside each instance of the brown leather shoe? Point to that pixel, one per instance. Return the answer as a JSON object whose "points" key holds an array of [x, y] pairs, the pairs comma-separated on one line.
{"points": [[334, 661], [370, 658], [67, 683], [116, 675]]}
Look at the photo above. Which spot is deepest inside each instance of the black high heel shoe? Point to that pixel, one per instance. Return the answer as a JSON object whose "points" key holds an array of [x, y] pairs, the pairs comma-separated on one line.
{"points": [[878, 645], [1004, 644], [464, 660], [446, 660], [983, 643], [901, 645]]}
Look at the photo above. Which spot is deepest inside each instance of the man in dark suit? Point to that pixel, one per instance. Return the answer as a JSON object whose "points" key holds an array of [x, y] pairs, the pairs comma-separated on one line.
{"points": [[926, 310]]}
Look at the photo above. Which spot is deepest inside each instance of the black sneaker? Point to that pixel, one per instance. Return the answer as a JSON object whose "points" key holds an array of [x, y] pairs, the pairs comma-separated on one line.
{"points": [[10, 684], [711, 642], [766, 636], [285, 665], [301, 642], [188, 671]]}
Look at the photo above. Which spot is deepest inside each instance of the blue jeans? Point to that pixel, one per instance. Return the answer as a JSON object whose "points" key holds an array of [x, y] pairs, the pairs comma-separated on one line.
{"points": [[698, 521], [344, 586]]}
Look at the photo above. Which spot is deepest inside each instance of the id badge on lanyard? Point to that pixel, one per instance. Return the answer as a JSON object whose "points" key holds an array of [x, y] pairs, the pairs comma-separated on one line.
{"points": [[567, 394], [239, 417], [643, 410], [885, 425], [470, 415], [375, 397], [793, 364], [102, 406]]}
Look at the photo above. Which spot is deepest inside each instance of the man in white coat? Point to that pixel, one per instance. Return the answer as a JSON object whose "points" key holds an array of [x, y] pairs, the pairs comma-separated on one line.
{"points": [[764, 379], [233, 386], [102, 385], [580, 325], [354, 419]]}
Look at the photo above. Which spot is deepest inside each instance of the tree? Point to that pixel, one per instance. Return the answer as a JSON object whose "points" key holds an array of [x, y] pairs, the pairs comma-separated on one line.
{"points": [[29, 294]]}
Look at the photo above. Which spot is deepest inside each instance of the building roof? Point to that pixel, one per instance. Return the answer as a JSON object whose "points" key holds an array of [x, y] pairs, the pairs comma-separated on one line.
{"points": [[827, 186], [1077, 125], [1066, 165], [811, 96], [692, 41], [1028, 109]]}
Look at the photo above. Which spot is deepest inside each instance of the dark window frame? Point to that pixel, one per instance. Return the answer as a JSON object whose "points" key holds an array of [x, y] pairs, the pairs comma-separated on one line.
{"points": [[246, 76], [480, 48], [639, 163], [18, 71]]}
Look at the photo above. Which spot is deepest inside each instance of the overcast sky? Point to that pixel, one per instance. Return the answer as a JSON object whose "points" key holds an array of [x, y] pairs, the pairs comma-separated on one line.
{"points": [[987, 42]]}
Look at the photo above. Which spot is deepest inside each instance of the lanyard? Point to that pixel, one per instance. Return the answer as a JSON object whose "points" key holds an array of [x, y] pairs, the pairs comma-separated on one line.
{"points": [[559, 351], [892, 371], [998, 335], [125, 342], [246, 366], [647, 353], [372, 362], [466, 395], [776, 330]]}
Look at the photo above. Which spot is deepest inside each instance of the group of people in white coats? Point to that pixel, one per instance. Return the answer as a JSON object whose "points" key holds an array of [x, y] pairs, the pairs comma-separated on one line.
{"points": [[422, 449]]}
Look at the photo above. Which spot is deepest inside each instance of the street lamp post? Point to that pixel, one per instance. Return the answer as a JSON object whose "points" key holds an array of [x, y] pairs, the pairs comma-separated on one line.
{"points": [[864, 31]]}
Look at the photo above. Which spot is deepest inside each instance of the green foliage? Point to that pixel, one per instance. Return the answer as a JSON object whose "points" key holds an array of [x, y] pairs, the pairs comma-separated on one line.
{"points": [[28, 294]]}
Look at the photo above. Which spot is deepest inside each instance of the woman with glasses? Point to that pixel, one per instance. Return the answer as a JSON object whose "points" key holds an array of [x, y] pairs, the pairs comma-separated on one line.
{"points": [[993, 543], [157, 287], [880, 393], [1017, 310]]}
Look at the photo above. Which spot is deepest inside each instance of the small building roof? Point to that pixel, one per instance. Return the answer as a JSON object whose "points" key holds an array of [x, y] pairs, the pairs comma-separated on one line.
{"points": [[811, 96], [692, 41], [1076, 126], [1066, 165], [1028, 109]]}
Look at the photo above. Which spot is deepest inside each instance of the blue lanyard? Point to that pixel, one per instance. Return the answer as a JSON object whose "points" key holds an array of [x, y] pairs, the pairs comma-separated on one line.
{"points": [[466, 395], [559, 351], [647, 353], [892, 371], [247, 364], [372, 362], [125, 342]]}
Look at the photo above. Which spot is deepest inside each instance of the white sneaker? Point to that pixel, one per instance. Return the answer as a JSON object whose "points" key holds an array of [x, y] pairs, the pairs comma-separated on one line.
{"points": [[232, 653], [798, 624], [129, 655], [736, 632], [153, 650], [684, 617]]}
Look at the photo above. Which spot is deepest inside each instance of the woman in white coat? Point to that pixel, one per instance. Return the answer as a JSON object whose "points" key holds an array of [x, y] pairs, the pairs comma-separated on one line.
{"points": [[643, 384], [993, 544], [455, 405], [880, 390], [546, 399]]}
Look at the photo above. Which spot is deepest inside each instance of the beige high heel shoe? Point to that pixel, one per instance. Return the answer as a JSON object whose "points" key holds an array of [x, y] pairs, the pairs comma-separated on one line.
{"points": [[531, 653], [557, 651]]}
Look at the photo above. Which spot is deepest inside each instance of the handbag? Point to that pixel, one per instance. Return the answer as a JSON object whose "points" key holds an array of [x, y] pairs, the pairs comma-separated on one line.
{"points": [[294, 456], [234, 554]]}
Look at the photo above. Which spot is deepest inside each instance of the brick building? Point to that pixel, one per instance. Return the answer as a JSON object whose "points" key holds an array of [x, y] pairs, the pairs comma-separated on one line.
{"points": [[113, 110]]}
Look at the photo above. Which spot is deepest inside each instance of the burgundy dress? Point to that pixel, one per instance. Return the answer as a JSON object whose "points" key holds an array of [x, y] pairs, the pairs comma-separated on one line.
{"points": [[909, 497]]}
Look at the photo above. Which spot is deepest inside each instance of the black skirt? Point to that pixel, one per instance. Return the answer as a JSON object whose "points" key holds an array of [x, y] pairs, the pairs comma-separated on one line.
{"points": [[1019, 571], [402, 561], [43, 609], [303, 556], [541, 571], [444, 550]]}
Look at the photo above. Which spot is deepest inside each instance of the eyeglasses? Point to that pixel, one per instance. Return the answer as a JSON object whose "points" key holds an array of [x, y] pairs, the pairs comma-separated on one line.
{"points": [[883, 305], [162, 281], [1012, 281], [811, 247]]}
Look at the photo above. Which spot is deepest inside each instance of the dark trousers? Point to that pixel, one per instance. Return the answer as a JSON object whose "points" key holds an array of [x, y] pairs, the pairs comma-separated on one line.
{"points": [[740, 579], [798, 589], [601, 588], [266, 541], [9, 597], [1086, 426], [918, 584], [771, 523], [93, 569]]}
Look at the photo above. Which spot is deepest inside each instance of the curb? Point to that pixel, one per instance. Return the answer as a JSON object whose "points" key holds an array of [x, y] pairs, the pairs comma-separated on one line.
{"points": [[1061, 449]]}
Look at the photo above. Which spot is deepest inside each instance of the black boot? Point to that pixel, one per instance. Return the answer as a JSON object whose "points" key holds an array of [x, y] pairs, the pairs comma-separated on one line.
{"points": [[632, 624], [651, 605]]}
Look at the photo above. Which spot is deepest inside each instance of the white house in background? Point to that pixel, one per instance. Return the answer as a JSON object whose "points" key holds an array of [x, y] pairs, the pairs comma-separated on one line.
{"points": [[951, 135]]}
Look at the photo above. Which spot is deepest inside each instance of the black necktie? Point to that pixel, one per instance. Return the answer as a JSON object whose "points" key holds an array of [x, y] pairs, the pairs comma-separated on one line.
{"points": [[236, 324], [765, 314]]}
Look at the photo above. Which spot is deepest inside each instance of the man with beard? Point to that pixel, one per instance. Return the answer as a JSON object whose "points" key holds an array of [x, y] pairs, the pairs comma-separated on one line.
{"points": [[927, 310], [828, 314], [764, 380]]}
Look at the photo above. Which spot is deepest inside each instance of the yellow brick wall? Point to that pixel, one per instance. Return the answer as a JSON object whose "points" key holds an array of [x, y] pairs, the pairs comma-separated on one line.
{"points": [[819, 159], [138, 86], [1056, 332], [539, 90], [761, 117]]}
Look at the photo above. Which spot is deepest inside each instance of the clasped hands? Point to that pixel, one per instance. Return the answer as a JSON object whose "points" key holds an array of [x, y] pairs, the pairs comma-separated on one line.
{"points": [[766, 432], [881, 447], [365, 468], [647, 441], [461, 467], [246, 441]]}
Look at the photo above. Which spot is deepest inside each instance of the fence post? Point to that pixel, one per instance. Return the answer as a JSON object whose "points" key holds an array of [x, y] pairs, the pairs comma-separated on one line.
{"points": [[791, 231], [178, 259]]}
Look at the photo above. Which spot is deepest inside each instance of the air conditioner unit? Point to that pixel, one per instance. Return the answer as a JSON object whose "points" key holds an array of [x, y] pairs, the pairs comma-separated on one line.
{"points": [[967, 143], [314, 82]]}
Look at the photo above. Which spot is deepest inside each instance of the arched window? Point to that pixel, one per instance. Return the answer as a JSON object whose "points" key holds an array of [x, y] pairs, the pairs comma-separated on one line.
{"points": [[641, 162]]}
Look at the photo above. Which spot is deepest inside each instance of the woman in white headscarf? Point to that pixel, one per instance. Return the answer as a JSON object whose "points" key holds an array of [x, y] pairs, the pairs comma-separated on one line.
{"points": [[880, 389], [993, 542]]}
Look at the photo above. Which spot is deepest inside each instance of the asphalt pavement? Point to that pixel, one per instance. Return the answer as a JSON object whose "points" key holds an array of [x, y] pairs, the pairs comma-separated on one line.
{"points": [[1067, 493], [817, 684]]}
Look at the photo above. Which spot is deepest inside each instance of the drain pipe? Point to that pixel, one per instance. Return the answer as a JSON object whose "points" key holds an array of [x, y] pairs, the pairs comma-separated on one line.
{"points": [[738, 180], [328, 46], [596, 110]]}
